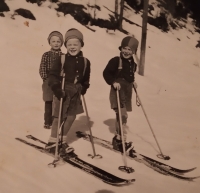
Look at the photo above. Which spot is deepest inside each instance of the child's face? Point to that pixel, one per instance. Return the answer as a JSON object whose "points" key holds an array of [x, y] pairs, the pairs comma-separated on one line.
{"points": [[126, 52], [73, 46], [55, 43]]}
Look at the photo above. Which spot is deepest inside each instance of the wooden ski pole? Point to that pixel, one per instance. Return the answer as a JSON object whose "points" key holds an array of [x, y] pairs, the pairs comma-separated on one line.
{"points": [[59, 119], [56, 157], [89, 126], [161, 155], [122, 168]]}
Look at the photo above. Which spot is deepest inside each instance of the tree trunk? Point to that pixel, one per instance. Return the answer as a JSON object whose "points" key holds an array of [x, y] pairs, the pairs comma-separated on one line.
{"points": [[121, 14], [116, 11], [144, 36]]}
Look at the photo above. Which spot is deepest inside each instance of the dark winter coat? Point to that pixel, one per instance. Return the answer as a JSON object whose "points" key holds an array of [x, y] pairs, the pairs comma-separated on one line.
{"points": [[111, 72], [74, 69], [125, 77]]}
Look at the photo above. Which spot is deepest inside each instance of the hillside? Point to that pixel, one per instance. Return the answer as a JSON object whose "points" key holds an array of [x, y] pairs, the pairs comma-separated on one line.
{"points": [[169, 91]]}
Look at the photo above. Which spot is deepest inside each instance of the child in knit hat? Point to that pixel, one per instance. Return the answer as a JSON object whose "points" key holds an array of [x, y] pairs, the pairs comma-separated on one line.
{"points": [[77, 76], [119, 73], [55, 40]]}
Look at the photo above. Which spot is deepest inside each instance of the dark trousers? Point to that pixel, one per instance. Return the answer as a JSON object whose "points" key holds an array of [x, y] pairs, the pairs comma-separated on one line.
{"points": [[48, 113]]}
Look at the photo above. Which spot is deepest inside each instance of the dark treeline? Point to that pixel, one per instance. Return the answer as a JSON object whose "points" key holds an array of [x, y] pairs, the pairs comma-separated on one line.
{"points": [[177, 8], [193, 6]]}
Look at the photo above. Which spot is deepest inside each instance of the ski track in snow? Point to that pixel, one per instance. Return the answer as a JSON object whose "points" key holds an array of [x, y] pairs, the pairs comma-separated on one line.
{"points": [[169, 92]]}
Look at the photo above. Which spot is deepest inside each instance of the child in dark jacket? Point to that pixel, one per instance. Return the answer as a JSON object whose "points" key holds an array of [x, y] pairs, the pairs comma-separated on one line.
{"points": [[77, 77], [119, 73], [55, 40]]}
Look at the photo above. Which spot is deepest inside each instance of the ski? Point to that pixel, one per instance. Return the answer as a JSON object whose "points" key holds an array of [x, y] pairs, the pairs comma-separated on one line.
{"points": [[154, 164], [75, 161]]}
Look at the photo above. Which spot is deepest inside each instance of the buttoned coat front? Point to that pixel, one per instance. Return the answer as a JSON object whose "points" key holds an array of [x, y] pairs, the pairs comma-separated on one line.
{"points": [[77, 77]]}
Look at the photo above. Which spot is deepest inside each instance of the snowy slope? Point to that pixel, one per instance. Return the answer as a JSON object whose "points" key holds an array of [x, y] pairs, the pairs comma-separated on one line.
{"points": [[169, 92]]}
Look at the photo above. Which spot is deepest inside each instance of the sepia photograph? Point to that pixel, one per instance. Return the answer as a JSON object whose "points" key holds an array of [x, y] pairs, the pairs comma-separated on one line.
{"points": [[100, 96]]}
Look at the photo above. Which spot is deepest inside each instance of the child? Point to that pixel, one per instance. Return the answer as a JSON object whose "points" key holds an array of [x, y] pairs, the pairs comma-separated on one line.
{"points": [[77, 76], [55, 40], [119, 73]]}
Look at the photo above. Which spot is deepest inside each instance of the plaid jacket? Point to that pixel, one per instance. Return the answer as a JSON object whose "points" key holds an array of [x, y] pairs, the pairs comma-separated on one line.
{"points": [[46, 63]]}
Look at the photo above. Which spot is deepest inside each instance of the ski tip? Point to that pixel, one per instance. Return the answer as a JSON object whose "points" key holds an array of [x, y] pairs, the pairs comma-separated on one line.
{"points": [[186, 170], [189, 170], [194, 168], [122, 183], [192, 178], [196, 177]]}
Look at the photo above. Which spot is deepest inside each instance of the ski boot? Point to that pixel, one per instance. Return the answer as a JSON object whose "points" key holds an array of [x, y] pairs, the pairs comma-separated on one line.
{"points": [[130, 149], [67, 151], [47, 126], [117, 145], [51, 147], [117, 142]]}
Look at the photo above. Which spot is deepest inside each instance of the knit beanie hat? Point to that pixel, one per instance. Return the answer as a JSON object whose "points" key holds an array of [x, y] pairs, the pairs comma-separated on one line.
{"points": [[74, 33], [131, 42], [55, 33]]}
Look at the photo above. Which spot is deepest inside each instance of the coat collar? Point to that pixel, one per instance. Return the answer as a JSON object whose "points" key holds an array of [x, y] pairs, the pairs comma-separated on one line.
{"points": [[55, 51], [79, 54]]}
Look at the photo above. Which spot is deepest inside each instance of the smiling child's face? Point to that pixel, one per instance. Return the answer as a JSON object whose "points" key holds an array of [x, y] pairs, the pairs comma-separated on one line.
{"points": [[126, 52], [55, 43], [73, 46]]}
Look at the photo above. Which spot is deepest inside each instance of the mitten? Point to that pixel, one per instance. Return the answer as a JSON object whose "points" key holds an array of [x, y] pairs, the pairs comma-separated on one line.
{"points": [[58, 92], [83, 90]]}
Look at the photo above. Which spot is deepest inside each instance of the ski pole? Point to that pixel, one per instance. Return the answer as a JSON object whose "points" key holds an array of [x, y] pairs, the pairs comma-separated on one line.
{"points": [[59, 119], [122, 168], [161, 155], [89, 126]]}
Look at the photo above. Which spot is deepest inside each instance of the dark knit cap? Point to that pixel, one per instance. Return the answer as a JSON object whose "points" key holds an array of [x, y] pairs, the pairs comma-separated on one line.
{"points": [[74, 33], [55, 33], [131, 42]]}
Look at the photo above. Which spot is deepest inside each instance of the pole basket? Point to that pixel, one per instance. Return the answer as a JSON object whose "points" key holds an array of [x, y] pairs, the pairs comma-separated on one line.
{"points": [[95, 156], [54, 163], [126, 169], [165, 157]]}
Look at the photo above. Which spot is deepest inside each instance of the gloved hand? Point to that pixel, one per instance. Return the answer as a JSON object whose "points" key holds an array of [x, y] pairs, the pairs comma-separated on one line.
{"points": [[83, 90], [58, 92]]}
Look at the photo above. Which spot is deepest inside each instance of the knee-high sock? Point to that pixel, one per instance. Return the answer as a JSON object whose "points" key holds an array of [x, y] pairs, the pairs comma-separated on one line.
{"points": [[66, 127], [54, 128], [124, 117], [68, 123]]}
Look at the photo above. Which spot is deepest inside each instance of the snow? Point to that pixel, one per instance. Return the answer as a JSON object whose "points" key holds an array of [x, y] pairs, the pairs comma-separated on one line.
{"points": [[169, 92]]}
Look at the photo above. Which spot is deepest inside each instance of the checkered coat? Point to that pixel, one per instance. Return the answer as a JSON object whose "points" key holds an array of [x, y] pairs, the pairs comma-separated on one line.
{"points": [[46, 63]]}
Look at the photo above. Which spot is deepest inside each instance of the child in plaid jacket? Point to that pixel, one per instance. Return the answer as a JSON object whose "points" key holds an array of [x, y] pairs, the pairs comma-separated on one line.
{"points": [[55, 40]]}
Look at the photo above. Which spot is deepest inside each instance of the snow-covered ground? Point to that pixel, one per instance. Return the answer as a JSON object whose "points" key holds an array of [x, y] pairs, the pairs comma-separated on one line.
{"points": [[169, 92]]}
